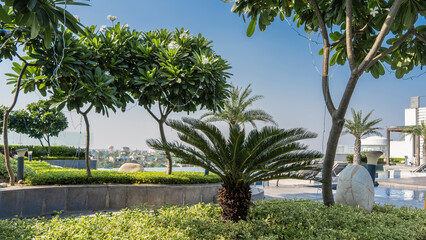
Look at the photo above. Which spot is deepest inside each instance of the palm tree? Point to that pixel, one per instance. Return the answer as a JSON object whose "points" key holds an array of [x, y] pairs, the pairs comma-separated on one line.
{"points": [[418, 130], [360, 127], [262, 155], [235, 109]]}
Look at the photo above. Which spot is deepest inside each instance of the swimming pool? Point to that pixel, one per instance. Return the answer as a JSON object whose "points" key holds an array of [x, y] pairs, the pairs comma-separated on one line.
{"points": [[382, 195]]}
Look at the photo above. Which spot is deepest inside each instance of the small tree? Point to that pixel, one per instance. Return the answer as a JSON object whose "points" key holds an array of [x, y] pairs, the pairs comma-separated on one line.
{"points": [[39, 121], [352, 31], [178, 72], [418, 130], [360, 127], [262, 155], [235, 109], [81, 84], [31, 24]]}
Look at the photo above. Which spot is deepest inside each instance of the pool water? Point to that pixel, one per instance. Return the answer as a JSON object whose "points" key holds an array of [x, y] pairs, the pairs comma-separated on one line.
{"points": [[397, 174], [382, 195]]}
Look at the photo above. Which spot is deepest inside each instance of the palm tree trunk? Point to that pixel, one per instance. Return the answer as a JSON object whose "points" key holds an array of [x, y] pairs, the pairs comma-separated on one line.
{"points": [[235, 201], [167, 153], [357, 151], [424, 151]]}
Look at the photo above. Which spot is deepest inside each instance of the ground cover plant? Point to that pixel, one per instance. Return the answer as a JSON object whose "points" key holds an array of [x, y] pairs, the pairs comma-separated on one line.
{"points": [[269, 219]]}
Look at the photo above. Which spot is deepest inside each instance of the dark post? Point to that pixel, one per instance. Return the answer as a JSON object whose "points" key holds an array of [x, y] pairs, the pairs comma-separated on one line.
{"points": [[20, 167]]}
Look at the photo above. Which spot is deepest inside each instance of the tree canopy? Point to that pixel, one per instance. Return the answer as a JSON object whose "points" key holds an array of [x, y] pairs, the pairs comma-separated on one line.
{"points": [[39, 121]]}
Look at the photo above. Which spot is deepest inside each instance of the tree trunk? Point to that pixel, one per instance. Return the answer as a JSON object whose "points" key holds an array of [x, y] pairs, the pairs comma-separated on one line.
{"points": [[5, 120], [330, 154], [424, 152], [235, 201], [167, 153], [357, 151], [6, 147], [48, 146], [86, 156], [41, 143]]}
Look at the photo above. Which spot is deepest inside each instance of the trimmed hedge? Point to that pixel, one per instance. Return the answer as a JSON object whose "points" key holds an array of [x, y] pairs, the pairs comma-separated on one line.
{"points": [[28, 171], [48, 175], [75, 176], [269, 219], [39, 151]]}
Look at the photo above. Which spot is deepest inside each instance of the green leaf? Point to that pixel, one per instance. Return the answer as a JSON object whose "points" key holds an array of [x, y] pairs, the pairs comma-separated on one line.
{"points": [[4, 16], [35, 28], [251, 27]]}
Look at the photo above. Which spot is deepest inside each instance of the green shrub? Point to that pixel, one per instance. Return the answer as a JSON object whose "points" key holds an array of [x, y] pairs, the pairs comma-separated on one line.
{"points": [[39, 151], [269, 219], [392, 160], [28, 171], [65, 176], [350, 158], [54, 158]]}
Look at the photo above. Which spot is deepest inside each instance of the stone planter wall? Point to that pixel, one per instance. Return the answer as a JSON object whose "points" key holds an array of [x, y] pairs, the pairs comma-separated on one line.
{"points": [[45, 200]]}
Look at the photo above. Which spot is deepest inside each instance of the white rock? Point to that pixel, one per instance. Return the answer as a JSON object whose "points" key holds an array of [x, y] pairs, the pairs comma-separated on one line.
{"points": [[131, 167], [3, 185], [355, 188]]}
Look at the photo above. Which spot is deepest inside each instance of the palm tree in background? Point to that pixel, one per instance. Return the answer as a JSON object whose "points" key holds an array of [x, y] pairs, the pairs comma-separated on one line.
{"points": [[360, 127], [235, 109], [262, 155], [418, 130]]}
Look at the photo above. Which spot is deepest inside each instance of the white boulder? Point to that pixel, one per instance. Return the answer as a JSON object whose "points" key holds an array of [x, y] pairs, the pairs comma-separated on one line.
{"points": [[131, 167], [355, 188]]}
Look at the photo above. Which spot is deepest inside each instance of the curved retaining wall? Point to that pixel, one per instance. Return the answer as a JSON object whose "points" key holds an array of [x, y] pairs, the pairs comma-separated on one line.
{"points": [[45, 200]]}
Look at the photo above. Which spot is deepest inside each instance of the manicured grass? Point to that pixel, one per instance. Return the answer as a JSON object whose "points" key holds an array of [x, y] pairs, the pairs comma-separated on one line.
{"points": [[269, 219]]}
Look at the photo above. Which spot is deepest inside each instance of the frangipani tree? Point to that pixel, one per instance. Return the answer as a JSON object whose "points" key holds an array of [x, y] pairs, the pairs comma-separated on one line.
{"points": [[364, 35], [39, 121], [177, 72], [81, 84], [31, 23]]}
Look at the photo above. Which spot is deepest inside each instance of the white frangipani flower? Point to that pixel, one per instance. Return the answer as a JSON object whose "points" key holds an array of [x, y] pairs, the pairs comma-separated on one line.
{"points": [[112, 18], [205, 60], [126, 25], [179, 80], [184, 35], [182, 74], [102, 28], [77, 18], [173, 45], [373, 12]]}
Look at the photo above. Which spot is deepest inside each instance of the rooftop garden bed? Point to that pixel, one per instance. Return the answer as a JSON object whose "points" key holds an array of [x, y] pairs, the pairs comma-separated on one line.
{"points": [[42, 173], [269, 219]]}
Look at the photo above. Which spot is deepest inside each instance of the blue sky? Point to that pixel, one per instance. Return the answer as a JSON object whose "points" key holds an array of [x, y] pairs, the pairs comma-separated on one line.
{"points": [[276, 62]]}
